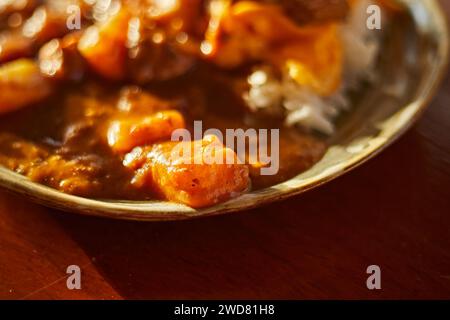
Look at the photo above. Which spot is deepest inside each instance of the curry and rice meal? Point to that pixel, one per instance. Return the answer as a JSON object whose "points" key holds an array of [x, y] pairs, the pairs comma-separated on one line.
{"points": [[91, 91]]}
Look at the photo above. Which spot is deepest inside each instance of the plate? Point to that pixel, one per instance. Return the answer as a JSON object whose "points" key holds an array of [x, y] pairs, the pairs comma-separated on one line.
{"points": [[412, 64]]}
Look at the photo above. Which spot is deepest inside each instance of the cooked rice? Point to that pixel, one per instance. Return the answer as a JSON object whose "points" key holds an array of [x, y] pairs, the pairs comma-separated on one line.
{"points": [[302, 106]]}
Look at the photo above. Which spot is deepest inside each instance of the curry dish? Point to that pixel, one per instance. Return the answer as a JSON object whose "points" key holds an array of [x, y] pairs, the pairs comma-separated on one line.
{"points": [[91, 91]]}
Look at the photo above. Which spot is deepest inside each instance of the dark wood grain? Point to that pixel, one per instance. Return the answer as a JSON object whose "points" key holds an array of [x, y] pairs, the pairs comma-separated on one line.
{"points": [[393, 211]]}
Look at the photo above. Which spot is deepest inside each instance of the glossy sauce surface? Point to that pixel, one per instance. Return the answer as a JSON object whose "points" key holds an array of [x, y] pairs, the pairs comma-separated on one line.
{"points": [[61, 142]]}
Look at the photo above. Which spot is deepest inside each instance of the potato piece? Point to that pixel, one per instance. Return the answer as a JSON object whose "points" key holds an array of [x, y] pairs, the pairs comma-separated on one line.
{"points": [[190, 178], [124, 135], [104, 46], [21, 84], [317, 64], [250, 31]]}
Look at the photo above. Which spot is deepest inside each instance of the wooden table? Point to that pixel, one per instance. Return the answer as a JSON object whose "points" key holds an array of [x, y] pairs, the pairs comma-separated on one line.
{"points": [[393, 212]]}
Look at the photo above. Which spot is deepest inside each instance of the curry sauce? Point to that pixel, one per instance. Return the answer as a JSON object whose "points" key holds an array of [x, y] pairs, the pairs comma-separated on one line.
{"points": [[62, 142]]}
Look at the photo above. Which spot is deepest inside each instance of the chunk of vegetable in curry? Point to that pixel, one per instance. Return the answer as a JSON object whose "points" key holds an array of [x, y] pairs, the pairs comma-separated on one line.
{"points": [[124, 135], [189, 177]]}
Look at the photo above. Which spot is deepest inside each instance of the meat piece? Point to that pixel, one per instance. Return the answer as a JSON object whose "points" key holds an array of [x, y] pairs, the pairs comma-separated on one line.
{"points": [[124, 135], [190, 177], [21, 84], [156, 62], [77, 176]]}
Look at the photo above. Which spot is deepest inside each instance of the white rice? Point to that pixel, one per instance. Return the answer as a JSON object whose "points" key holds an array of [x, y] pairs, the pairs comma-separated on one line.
{"points": [[303, 107]]}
